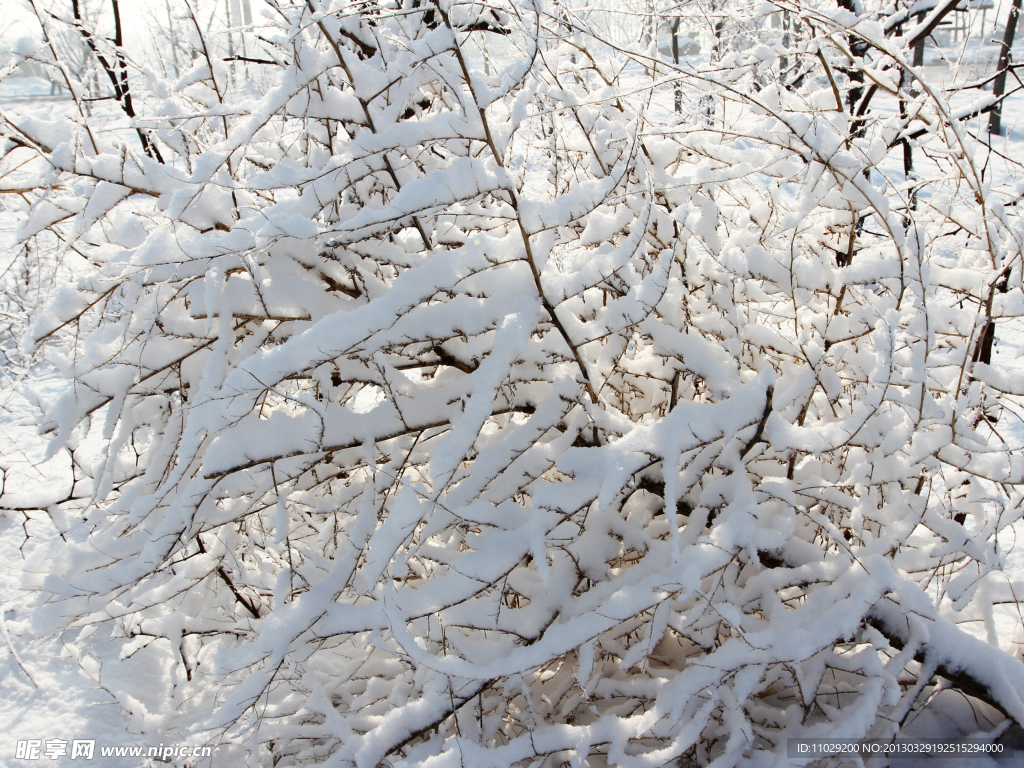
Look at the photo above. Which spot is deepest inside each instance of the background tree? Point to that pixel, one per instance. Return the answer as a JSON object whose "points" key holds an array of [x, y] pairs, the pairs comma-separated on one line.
{"points": [[1003, 67]]}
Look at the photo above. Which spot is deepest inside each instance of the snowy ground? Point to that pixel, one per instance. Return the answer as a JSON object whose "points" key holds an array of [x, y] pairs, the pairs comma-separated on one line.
{"points": [[46, 694]]}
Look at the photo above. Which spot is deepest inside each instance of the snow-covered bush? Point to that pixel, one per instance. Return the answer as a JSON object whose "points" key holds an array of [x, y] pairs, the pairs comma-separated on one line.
{"points": [[430, 408]]}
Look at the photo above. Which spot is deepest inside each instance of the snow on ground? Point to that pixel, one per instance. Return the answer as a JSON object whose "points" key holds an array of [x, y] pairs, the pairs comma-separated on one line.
{"points": [[46, 695], [35, 89]]}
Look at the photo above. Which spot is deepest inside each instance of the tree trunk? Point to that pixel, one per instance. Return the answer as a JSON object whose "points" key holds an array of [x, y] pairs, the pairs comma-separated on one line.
{"points": [[919, 48], [675, 58], [995, 118]]}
